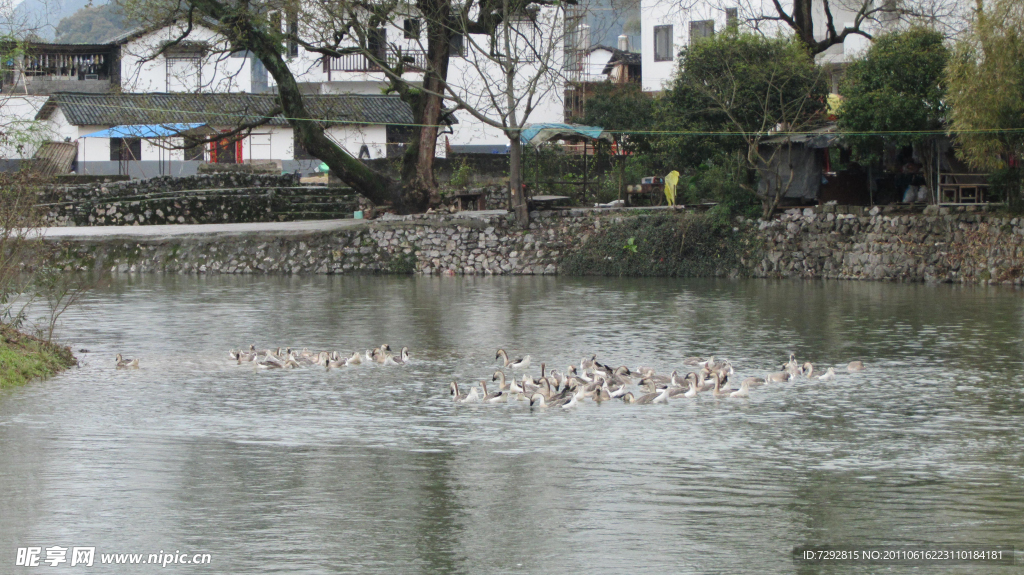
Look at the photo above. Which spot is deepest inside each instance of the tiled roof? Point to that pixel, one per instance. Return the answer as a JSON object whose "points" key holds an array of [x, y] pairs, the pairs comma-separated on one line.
{"points": [[222, 110]]}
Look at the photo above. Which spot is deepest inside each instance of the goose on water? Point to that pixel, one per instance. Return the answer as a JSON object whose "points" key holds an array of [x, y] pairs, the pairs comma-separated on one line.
{"points": [[743, 391], [459, 397], [503, 356], [123, 363], [855, 366], [808, 370], [754, 381], [651, 398], [829, 375], [495, 397]]}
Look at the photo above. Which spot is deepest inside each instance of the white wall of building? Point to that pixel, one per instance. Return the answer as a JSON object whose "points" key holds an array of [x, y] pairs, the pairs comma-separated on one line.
{"points": [[480, 82], [653, 13], [265, 143], [22, 135], [594, 63], [679, 15], [215, 71]]}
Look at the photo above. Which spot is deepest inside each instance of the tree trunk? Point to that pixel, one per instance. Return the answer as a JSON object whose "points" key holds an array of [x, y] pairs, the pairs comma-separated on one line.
{"points": [[622, 176], [804, 23], [517, 197], [242, 32], [427, 105], [926, 151]]}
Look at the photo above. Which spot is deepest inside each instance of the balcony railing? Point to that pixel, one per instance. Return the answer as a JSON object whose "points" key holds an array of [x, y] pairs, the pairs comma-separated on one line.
{"points": [[415, 60]]}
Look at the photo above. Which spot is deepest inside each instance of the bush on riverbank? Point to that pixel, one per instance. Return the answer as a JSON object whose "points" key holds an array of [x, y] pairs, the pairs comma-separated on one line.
{"points": [[663, 245], [24, 357]]}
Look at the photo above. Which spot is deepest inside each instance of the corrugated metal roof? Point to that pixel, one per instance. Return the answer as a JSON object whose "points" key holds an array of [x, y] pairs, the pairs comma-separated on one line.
{"points": [[223, 110], [821, 137], [55, 158]]}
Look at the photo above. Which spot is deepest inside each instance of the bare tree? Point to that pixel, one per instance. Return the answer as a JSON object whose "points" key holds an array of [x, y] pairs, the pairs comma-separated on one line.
{"points": [[821, 24], [256, 28]]}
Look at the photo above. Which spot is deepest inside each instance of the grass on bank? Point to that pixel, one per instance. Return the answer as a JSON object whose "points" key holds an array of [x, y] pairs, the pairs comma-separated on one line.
{"points": [[24, 357], [663, 245]]}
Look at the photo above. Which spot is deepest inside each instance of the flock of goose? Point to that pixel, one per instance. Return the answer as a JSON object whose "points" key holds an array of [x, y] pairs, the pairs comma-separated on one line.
{"points": [[286, 358], [590, 380], [600, 382]]}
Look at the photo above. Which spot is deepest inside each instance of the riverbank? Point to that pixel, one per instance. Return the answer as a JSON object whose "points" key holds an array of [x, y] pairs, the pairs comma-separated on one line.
{"points": [[24, 358], [828, 242]]}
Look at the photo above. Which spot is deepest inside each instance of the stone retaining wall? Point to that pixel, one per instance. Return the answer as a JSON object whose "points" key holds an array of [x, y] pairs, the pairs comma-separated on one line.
{"points": [[201, 199], [940, 245], [935, 247], [426, 244]]}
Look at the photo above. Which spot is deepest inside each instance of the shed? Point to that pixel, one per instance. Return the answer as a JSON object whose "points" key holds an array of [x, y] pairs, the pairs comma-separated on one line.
{"points": [[796, 163]]}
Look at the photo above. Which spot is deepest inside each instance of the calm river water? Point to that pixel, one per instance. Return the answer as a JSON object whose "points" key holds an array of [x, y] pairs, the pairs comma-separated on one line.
{"points": [[374, 470]]}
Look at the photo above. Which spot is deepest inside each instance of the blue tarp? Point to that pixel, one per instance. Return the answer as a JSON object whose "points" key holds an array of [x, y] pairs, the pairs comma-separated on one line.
{"points": [[144, 131], [536, 134]]}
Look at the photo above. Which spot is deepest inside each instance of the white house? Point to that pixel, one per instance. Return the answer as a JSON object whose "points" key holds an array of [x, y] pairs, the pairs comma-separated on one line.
{"points": [[182, 81], [667, 26], [359, 123], [475, 73], [202, 62]]}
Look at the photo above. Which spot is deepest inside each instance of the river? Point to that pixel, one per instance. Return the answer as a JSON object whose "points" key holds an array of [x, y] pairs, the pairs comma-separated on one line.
{"points": [[373, 469]]}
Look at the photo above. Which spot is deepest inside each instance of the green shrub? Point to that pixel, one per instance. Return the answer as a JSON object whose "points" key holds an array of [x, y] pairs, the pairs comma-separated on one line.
{"points": [[669, 245]]}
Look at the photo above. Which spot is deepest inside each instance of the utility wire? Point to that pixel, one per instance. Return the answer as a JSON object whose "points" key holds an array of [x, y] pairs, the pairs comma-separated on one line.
{"points": [[252, 115]]}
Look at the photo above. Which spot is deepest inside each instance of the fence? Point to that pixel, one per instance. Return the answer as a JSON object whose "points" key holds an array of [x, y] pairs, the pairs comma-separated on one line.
{"points": [[413, 60]]}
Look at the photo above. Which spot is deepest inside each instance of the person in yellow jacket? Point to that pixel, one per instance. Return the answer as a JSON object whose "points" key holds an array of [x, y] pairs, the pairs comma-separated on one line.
{"points": [[670, 187]]}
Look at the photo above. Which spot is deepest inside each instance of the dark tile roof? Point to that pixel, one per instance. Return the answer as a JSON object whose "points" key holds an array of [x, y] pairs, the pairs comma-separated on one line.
{"points": [[223, 110], [622, 57]]}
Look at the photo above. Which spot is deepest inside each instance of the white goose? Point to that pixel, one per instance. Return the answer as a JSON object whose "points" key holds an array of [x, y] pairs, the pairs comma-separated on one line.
{"points": [[123, 363], [743, 391], [520, 364], [495, 397]]}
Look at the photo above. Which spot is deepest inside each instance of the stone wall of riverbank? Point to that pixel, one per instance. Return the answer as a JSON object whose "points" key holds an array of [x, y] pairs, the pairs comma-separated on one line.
{"points": [[200, 199], [940, 245], [427, 244]]}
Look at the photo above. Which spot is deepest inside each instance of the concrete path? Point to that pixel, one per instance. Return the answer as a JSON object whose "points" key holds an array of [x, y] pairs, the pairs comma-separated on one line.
{"points": [[213, 231]]}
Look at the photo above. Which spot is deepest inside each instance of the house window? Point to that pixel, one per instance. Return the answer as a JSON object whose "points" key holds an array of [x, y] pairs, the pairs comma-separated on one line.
{"points": [[457, 47], [377, 42], [522, 39], [700, 29], [258, 73], [732, 18], [412, 28], [662, 43], [122, 149], [293, 33], [183, 73]]}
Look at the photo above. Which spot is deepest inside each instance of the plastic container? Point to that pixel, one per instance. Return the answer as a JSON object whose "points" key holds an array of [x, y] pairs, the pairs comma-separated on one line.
{"points": [[357, 215]]}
